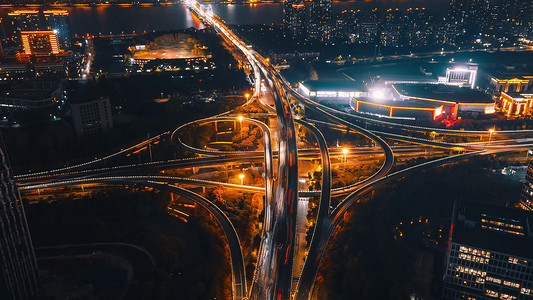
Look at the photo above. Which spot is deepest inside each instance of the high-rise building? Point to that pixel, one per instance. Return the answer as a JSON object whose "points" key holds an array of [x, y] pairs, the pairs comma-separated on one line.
{"points": [[18, 266], [513, 17], [39, 43], [469, 17], [58, 21], [92, 117], [319, 20], [294, 18], [526, 197], [489, 253], [23, 20]]}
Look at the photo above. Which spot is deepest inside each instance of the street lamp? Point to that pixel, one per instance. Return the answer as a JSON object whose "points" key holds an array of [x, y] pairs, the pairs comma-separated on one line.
{"points": [[239, 117], [241, 176], [490, 134], [247, 96], [345, 151]]}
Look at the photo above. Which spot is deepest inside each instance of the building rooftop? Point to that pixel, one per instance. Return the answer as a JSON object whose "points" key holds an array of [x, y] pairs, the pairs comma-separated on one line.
{"points": [[510, 75], [403, 104], [33, 90], [338, 85], [501, 229], [404, 78], [441, 92]]}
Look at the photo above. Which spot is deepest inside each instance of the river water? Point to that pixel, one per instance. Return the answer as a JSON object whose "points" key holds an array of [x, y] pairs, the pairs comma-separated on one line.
{"points": [[116, 19]]}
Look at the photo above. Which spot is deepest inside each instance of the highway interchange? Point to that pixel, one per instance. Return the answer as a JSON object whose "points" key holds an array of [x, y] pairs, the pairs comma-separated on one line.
{"points": [[273, 275]]}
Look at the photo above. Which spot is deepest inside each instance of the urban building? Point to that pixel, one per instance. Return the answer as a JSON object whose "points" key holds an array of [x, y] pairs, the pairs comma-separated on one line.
{"points": [[367, 32], [23, 20], [468, 17], [55, 21], [58, 21], [331, 91], [509, 83], [39, 43], [489, 253], [512, 17], [92, 117], [462, 76], [294, 18], [34, 94], [526, 196], [19, 278], [516, 104], [320, 26], [455, 100], [406, 110]]}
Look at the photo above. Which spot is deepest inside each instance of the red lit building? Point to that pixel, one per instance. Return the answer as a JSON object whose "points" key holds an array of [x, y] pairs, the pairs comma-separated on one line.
{"points": [[411, 110], [455, 100]]}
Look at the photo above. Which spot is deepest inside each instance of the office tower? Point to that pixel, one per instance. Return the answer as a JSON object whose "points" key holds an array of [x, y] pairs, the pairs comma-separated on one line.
{"points": [[392, 27], [489, 253], [18, 267], [92, 117], [294, 18], [469, 17], [526, 197], [319, 20], [513, 17], [39, 43], [22, 20], [58, 21]]}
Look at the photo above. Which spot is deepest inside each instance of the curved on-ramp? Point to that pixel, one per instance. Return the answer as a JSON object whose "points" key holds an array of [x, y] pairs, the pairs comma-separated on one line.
{"points": [[237, 262]]}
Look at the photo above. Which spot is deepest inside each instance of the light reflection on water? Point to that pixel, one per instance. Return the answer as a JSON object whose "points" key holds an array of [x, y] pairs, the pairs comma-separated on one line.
{"points": [[105, 19]]}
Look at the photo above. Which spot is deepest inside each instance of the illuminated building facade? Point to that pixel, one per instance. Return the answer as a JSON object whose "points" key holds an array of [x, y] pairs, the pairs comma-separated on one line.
{"points": [[513, 16], [509, 83], [515, 104], [462, 76], [526, 197], [19, 278], [23, 20], [320, 19], [407, 110], [39, 43], [58, 21], [489, 253], [335, 91], [468, 17], [92, 117], [454, 99], [294, 18]]}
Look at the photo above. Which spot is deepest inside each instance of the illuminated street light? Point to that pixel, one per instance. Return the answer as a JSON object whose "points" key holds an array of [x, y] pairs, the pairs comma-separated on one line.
{"points": [[345, 151], [241, 176], [239, 117], [490, 134], [247, 96]]}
